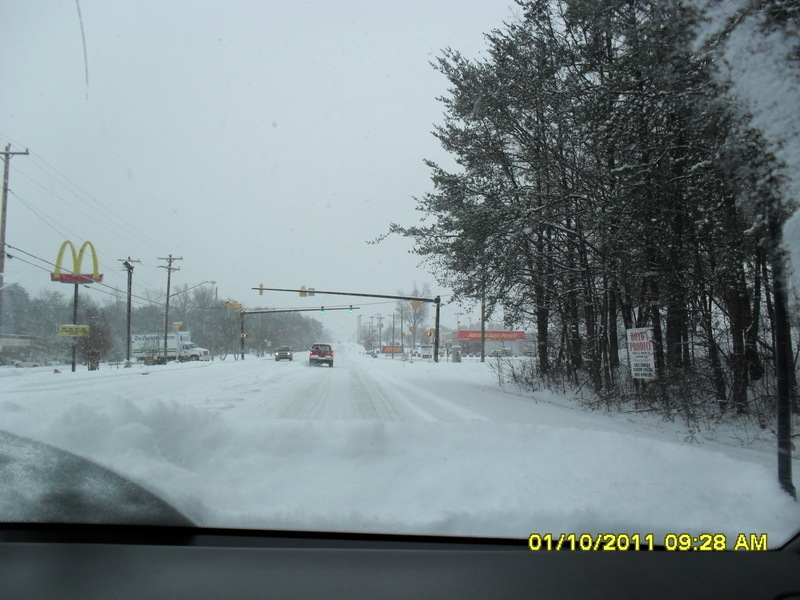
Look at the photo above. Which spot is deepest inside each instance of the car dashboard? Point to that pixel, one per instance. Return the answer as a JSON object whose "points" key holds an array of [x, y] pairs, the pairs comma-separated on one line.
{"points": [[77, 561]]}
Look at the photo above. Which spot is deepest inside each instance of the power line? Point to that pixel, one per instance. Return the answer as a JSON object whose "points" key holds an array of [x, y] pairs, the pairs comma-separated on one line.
{"points": [[98, 284], [98, 213], [115, 292], [97, 208], [80, 194], [40, 216]]}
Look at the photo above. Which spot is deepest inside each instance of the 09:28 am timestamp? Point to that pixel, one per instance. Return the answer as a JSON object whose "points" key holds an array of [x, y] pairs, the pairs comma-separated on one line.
{"points": [[703, 542]]}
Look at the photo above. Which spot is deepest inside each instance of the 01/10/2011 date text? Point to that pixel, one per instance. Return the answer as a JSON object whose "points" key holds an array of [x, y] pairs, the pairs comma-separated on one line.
{"points": [[703, 542]]}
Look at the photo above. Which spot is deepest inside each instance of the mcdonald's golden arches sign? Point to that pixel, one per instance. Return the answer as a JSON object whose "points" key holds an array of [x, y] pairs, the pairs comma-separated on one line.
{"points": [[75, 276]]}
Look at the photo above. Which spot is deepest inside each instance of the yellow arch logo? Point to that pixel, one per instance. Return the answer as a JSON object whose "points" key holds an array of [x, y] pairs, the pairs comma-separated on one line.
{"points": [[75, 276]]}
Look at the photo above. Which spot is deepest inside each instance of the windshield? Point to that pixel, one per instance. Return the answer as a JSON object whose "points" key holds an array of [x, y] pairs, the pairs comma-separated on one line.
{"points": [[550, 249]]}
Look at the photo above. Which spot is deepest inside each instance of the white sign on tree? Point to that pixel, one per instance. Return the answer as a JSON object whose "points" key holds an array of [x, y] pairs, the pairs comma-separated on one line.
{"points": [[640, 353]]}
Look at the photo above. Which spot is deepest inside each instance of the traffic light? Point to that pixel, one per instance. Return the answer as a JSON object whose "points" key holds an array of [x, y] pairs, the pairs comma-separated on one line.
{"points": [[260, 289], [322, 310], [351, 308], [428, 334]]}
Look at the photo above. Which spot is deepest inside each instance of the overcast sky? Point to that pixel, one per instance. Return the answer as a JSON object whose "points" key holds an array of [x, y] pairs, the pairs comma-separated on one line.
{"points": [[261, 141]]}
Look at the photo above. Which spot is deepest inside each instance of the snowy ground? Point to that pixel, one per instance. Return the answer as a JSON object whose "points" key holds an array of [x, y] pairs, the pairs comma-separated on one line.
{"points": [[389, 446]]}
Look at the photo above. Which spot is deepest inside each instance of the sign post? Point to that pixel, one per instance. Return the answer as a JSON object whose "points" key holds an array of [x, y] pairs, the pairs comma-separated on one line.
{"points": [[75, 277]]}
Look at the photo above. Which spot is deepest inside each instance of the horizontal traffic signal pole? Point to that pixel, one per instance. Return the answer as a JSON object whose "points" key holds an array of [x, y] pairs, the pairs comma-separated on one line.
{"points": [[436, 300], [242, 313], [360, 294], [286, 310]]}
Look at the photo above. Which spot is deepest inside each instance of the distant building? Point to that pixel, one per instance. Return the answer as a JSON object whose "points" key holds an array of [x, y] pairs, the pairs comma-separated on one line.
{"points": [[506, 342], [20, 347]]}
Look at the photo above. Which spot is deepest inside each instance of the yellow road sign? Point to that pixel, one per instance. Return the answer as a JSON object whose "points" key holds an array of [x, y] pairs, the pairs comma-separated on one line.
{"points": [[73, 330]]}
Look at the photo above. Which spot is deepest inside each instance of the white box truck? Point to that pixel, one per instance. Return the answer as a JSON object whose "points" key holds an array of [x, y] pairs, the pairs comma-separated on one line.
{"points": [[149, 347]]}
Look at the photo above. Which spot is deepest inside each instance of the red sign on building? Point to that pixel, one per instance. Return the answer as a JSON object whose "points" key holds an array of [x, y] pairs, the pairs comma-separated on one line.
{"points": [[492, 336]]}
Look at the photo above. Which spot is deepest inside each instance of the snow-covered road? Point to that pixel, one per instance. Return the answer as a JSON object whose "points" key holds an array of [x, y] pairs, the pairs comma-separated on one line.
{"points": [[358, 387], [375, 444]]}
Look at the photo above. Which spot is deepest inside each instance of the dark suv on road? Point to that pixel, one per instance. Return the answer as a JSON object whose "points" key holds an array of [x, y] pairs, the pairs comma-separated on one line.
{"points": [[320, 354], [284, 352]]}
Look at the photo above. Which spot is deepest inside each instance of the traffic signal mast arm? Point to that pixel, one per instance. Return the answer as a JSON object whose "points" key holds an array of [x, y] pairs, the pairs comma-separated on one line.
{"points": [[436, 300], [285, 310], [389, 296]]}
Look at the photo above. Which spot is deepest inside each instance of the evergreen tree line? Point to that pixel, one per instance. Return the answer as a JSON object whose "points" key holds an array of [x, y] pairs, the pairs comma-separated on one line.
{"points": [[212, 326], [607, 180]]}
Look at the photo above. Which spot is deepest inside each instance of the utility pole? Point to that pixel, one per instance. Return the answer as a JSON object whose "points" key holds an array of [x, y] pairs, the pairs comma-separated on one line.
{"points": [[127, 263], [394, 314], [483, 321], [7, 154], [170, 259], [379, 318], [242, 333], [370, 332], [438, 302], [402, 334]]}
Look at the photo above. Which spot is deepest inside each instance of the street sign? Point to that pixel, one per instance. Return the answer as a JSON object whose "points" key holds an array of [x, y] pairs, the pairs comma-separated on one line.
{"points": [[73, 330]]}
